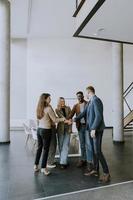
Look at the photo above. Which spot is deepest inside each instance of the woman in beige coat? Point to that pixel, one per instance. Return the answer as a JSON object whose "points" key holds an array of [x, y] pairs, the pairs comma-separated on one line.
{"points": [[63, 132], [46, 116]]}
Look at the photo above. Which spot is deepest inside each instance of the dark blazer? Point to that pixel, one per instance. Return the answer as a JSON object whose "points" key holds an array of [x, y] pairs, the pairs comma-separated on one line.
{"points": [[61, 127], [76, 110], [94, 115]]}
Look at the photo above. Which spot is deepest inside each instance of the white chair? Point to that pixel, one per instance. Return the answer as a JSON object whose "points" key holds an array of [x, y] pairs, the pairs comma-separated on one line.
{"points": [[33, 124], [33, 127], [28, 132], [34, 137]]}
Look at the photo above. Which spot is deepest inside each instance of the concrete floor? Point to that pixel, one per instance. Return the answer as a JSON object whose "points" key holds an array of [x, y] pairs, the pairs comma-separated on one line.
{"points": [[18, 181], [123, 191]]}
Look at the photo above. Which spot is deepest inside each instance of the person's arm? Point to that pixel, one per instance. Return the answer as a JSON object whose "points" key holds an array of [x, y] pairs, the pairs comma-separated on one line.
{"points": [[59, 114], [81, 115], [72, 113], [98, 114], [70, 123], [53, 116], [69, 113]]}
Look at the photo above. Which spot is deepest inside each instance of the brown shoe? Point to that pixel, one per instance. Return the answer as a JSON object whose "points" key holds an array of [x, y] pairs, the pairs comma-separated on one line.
{"points": [[81, 163], [105, 178]]}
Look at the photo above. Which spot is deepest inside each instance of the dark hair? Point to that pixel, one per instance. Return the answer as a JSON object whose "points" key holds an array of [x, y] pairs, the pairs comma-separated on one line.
{"points": [[58, 105], [80, 92], [41, 105], [62, 98], [91, 88]]}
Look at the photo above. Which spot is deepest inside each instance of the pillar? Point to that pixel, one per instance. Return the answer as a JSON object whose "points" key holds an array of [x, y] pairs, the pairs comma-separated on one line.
{"points": [[4, 71], [117, 92]]}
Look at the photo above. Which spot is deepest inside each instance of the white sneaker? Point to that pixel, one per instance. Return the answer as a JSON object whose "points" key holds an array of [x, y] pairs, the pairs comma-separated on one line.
{"points": [[36, 168], [45, 171], [51, 166]]}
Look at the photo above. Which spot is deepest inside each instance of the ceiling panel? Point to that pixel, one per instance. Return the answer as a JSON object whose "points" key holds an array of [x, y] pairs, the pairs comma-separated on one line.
{"points": [[52, 18], [112, 21], [42, 18]]}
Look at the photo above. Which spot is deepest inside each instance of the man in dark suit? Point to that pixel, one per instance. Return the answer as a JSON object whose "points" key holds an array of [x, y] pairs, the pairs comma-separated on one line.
{"points": [[93, 113]]}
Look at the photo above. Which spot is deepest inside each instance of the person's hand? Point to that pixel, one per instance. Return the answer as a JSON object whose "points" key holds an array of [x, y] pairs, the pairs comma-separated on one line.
{"points": [[66, 121], [69, 122], [93, 133]]}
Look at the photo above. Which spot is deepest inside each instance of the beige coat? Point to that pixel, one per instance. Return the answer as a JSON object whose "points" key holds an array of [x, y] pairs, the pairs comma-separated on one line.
{"points": [[61, 127], [49, 118]]}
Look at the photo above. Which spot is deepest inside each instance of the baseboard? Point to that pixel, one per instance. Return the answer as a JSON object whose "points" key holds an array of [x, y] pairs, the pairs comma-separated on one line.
{"points": [[4, 143], [16, 128], [118, 142]]}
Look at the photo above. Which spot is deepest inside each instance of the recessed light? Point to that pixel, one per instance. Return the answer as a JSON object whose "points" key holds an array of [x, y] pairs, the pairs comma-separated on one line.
{"points": [[100, 30]]}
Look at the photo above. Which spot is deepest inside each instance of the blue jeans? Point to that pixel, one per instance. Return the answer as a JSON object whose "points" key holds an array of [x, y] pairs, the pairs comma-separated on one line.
{"points": [[89, 152], [82, 135], [85, 144], [63, 142]]}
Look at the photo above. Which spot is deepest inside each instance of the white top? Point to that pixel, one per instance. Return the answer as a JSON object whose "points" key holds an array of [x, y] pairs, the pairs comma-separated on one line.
{"points": [[82, 106]]}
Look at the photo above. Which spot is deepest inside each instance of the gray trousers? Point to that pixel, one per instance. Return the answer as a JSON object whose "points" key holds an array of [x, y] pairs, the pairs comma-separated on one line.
{"points": [[52, 148]]}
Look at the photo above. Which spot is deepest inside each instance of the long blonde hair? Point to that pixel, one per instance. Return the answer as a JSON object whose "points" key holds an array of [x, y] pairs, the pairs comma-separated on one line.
{"points": [[41, 105]]}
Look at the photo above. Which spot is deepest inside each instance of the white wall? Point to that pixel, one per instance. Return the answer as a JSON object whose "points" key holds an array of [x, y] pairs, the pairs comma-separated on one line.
{"points": [[57, 63], [128, 74], [18, 81], [128, 65], [61, 67]]}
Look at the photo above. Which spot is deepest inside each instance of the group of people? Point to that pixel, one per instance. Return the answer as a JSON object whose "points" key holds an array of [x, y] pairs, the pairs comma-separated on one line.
{"points": [[90, 125]]}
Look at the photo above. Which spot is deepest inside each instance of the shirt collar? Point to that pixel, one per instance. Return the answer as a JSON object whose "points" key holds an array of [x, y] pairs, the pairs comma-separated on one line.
{"points": [[92, 97]]}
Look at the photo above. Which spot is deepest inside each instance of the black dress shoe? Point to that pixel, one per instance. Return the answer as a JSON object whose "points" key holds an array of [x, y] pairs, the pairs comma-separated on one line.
{"points": [[63, 166], [81, 163]]}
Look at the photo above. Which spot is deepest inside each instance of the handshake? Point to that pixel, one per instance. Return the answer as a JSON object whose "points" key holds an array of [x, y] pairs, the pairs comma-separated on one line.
{"points": [[68, 121]]}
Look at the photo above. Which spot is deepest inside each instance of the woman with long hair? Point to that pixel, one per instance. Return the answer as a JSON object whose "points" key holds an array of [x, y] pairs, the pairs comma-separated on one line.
{"points": [[46, 116], [63, 132]]}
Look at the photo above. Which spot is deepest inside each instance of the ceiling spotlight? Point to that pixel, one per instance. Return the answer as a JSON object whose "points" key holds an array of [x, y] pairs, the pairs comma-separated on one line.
{"points": [[99, 31]]}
